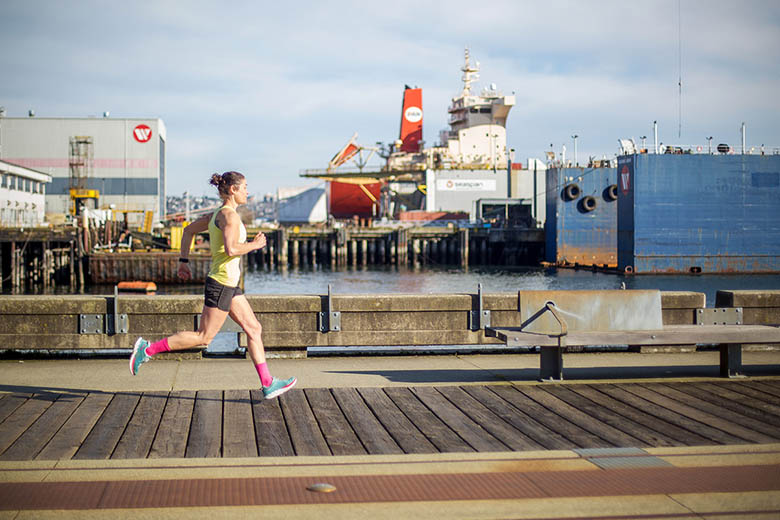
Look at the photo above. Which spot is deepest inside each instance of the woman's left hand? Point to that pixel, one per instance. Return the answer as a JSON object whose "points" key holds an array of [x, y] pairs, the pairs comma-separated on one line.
{"points": [[184, 271], [259, 240]]}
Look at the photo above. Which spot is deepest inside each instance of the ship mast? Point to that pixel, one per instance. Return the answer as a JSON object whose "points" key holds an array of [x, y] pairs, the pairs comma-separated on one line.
{"points": [[470, 74]]}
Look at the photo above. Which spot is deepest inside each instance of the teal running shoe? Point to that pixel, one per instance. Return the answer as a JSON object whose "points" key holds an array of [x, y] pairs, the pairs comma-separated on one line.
{"points": [[139, 356], [278, 387]]}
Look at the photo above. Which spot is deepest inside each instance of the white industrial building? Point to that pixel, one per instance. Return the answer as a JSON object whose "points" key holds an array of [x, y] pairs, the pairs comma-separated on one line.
{"points": [[123, 159], [22, 196]]}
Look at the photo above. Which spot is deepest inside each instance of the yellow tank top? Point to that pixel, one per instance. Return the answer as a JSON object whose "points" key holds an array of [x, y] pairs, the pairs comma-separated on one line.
{"points": [[224, 269]]}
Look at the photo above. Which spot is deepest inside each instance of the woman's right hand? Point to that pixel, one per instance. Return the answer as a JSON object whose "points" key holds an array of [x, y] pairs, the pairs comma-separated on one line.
{"points": [[184, 271]]}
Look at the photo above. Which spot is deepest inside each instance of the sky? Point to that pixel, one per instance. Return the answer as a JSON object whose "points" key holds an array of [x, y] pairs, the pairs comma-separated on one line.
{"points": [[272, 88]]}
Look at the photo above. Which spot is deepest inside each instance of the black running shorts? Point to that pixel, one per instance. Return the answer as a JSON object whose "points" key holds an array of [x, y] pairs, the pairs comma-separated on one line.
{"points": [[220, 296]]}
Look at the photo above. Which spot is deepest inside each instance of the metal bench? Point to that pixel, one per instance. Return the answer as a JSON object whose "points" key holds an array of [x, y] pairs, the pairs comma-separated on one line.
{"points": [[554, 320]]}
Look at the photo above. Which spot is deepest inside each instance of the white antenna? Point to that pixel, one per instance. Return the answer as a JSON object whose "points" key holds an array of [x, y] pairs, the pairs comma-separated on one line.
{"points": [[470, 74], [679, 69]]}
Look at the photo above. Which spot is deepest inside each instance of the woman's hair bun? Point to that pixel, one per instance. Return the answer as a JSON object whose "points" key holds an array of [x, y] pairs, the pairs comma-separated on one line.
{"points": [[225, 181]]}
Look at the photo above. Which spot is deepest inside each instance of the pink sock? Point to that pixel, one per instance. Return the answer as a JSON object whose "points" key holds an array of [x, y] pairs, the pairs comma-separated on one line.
{"points": [[264, 373], [157, 347]]}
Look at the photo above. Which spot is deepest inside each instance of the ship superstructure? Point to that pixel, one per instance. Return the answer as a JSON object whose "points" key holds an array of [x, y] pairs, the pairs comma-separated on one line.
{"points": [[476, 138], [466, 165], [477, 135]]}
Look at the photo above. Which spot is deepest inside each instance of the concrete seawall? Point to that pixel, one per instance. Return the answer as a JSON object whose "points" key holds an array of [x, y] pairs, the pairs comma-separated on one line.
{"points": [[291, 323]]}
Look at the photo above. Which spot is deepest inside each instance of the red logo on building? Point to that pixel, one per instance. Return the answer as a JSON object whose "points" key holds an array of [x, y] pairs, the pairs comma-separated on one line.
{"points": [[625, 180], [142, 133]]}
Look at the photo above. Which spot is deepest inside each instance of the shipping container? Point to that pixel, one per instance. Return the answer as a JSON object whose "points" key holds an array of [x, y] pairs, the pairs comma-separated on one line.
{"points": [[581, 225], [698, 213]]}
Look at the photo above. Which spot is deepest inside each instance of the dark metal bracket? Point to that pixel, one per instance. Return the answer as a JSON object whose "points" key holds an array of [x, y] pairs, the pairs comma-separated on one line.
{"points": [[111, 324], [479, 318], [329, 320]]}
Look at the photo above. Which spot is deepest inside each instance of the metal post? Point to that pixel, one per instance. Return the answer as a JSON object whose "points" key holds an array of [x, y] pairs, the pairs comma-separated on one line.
{"points": [[575, 136], [535, 194], [743, 138], [731, 360], [655, 136]]}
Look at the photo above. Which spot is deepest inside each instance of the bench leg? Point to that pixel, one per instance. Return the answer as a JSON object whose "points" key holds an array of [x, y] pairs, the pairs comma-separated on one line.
{"points": [[731, 360], [551, 363]]}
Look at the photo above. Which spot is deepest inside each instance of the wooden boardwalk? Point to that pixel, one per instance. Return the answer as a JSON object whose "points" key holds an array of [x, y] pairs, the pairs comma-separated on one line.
{"points": [[393, 420]]}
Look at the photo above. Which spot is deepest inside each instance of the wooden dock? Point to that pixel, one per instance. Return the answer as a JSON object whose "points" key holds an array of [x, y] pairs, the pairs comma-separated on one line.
{"points": [[392, 420]]}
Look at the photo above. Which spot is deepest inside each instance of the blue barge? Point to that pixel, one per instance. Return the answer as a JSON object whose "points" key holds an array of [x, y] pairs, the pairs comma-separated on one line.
{"points": [[581, 223], [698, 213]]}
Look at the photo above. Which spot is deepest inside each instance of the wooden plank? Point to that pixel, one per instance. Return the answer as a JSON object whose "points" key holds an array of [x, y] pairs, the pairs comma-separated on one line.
{"points": [[305, 433], [633, 396], [598, 428], [171, 438], [729, 404], [677, 436], [136, 441], [772, 433], [767, 387], [338, 433], [752, 390], [492, 423], [68, 439], [103, 438], [471, 432], [42, 430], [368, 429], [10, 403], [736, 431], [206, 427], [728, 391], [533, 430], [551, 420], [438, 433], [21, 418], [774, 383], [670, 335], [645, 436], [238, 438], [270, 428], [400, 428]]}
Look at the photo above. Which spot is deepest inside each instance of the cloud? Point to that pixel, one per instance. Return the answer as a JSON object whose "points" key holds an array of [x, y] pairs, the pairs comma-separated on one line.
{"points": [[276, 87]]}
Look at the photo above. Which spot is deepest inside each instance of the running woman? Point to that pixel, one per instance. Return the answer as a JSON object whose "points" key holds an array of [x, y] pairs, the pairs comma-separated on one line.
{"points": [[227, 239]]}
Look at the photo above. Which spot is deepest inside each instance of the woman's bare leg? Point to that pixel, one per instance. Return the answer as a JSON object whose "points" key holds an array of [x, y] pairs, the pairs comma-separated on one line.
{"points": [[211, 320], [241, 312]]}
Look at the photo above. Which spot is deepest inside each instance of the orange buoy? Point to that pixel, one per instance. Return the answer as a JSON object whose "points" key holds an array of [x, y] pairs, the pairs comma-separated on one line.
{"points": [[137, 286]]}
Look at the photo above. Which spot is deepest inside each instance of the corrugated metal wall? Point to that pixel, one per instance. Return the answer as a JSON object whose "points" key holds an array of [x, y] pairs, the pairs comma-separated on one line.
{"points": [[699, 213], [581, 226]]}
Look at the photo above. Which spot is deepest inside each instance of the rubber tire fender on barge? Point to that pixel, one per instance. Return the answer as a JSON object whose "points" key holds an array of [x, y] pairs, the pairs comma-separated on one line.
{"points": [[610, 193], [587, 204], [571, 191]]}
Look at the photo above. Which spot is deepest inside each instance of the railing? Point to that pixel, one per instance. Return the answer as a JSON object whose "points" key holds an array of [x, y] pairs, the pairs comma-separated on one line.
{"points": [[705, 149]]}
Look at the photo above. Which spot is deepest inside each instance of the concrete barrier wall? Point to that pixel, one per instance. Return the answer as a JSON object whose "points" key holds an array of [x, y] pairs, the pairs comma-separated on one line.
{"points": [[290, 322], [758, 307]]}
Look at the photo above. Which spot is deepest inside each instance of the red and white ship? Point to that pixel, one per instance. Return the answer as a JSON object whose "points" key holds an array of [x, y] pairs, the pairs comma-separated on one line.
{"points": [[476, 139]]}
